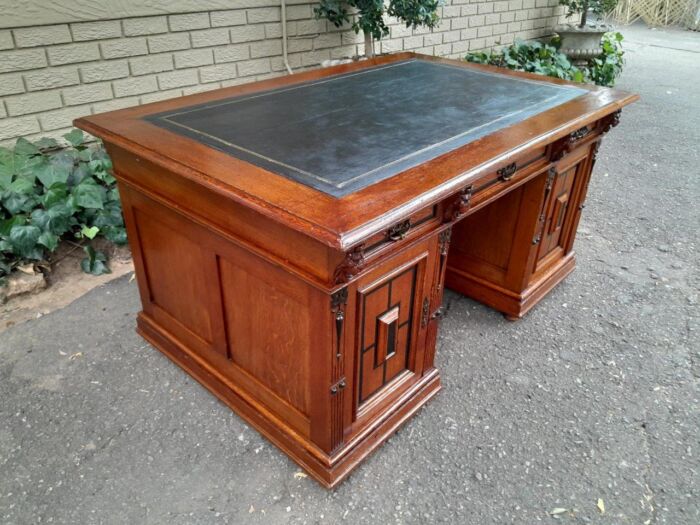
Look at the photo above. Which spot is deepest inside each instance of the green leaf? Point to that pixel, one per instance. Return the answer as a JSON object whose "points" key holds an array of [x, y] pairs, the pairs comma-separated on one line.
{"points": [[80, 173], [26, 148], [90, 233], [19, 202], [12, 164], [116, 234], [95, 262], [45, 143], [75, 137], [22, 185], [56, 193], [89, 194], [23, 239], [56, 219], [84, 154], [7, 224], [49, 240], [50, 174], [65, 158]]}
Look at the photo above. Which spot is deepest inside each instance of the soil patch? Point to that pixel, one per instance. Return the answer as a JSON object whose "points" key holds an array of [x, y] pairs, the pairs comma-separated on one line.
{"points": [[66, 282]]}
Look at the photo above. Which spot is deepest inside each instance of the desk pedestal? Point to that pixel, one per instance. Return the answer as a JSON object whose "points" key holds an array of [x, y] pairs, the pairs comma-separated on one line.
{"points": [[509, 254]]}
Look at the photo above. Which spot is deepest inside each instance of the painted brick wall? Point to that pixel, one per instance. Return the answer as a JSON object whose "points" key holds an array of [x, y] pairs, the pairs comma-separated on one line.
{"points": [[51, 74]]}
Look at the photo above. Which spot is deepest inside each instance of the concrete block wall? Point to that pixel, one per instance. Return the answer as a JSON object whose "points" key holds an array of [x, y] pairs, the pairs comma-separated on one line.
{"points": [[53, 73]]}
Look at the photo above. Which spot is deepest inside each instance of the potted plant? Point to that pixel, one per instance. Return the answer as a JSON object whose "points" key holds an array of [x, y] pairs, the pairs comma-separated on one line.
{"points": [[582, 41], [370, 16]]}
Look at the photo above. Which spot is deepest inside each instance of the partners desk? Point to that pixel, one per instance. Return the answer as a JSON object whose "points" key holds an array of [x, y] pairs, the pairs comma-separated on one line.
{"points": [[293, 237]]}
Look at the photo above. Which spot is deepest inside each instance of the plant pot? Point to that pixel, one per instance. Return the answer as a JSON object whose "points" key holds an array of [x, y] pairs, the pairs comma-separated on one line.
{"points": [[582, 43]]}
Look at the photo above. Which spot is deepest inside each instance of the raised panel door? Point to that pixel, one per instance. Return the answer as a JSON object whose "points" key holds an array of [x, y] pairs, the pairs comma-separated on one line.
{"points": [[391, 327]]}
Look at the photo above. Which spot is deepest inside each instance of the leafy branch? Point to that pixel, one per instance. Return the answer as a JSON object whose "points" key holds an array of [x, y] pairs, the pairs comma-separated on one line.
{"points": [[545, 59], [370, 16]]}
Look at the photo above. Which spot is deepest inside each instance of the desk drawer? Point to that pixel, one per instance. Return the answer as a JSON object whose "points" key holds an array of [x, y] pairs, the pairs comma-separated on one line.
{"points": [[507, 173], [417, 224]]}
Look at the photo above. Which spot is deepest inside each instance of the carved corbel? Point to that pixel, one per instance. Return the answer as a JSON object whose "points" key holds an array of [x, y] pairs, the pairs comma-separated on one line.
{"points": [[353, 264], [610, 121], [459, 205]]}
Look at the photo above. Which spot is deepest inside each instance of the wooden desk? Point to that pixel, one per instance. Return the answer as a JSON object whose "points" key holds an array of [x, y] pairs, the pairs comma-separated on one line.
{"points": [[292, 237]]}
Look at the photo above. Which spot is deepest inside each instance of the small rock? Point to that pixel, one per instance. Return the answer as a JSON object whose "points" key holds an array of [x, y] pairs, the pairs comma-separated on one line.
{"points": [[20, 283], [665, 248], [479, 476]]}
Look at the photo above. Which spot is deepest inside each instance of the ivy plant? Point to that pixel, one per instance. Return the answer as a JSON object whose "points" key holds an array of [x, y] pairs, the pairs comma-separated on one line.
{"points": [[605, 69], [370, 16], [545, 59], [50, 192]]}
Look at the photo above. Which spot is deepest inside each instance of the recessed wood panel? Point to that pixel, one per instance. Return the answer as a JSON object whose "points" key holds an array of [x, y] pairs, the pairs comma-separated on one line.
{"points": [[558, 213], [483, 242], [268, 329], [168, 257]]}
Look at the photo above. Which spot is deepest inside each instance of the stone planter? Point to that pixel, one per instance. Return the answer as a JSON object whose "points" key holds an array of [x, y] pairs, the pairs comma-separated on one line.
{"points": [[582, 43]]}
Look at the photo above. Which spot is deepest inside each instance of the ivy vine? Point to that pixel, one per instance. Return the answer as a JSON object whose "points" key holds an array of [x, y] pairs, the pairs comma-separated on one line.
{"points": [[50, 191]]}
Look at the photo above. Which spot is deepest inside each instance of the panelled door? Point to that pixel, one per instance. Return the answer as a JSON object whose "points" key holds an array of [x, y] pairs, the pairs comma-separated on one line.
{"points": [[391, 328], [561, 209]]}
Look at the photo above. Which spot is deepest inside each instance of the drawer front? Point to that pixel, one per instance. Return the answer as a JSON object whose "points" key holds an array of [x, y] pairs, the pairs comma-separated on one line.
{"points": [[512, 171]]}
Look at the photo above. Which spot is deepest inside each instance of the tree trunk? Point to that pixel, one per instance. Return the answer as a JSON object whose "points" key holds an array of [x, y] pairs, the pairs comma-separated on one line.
{"points": [[369, 45]]}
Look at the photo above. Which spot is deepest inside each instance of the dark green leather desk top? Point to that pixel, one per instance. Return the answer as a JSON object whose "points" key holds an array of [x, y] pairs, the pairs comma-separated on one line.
{"points": [[346, 132]]}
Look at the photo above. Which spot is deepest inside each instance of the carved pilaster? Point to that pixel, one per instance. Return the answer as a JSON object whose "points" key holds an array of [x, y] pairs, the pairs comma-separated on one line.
{"points": [[444, 240], [551, 175], [339, 302], [444, 245], [353, 264]]}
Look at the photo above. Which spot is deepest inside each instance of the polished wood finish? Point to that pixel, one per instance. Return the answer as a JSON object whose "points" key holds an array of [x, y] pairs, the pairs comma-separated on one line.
{"points": [[315, 318]]}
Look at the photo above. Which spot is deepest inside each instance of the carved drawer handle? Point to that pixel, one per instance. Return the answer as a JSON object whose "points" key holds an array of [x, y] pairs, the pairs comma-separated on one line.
{"points": [[507, 172], [399, 231]]}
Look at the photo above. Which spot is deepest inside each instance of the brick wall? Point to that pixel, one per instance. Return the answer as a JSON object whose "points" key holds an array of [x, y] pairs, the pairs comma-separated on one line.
{"points": [[51, 74]]}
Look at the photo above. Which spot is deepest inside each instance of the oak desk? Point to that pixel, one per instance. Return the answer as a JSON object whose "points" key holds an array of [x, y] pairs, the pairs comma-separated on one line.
{"points": [[292, 237]]}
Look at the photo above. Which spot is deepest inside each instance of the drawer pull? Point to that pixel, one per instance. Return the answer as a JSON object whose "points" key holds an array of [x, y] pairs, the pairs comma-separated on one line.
{"points": [[338, 386], [439, 313], [398, 232], [507, 172]]}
